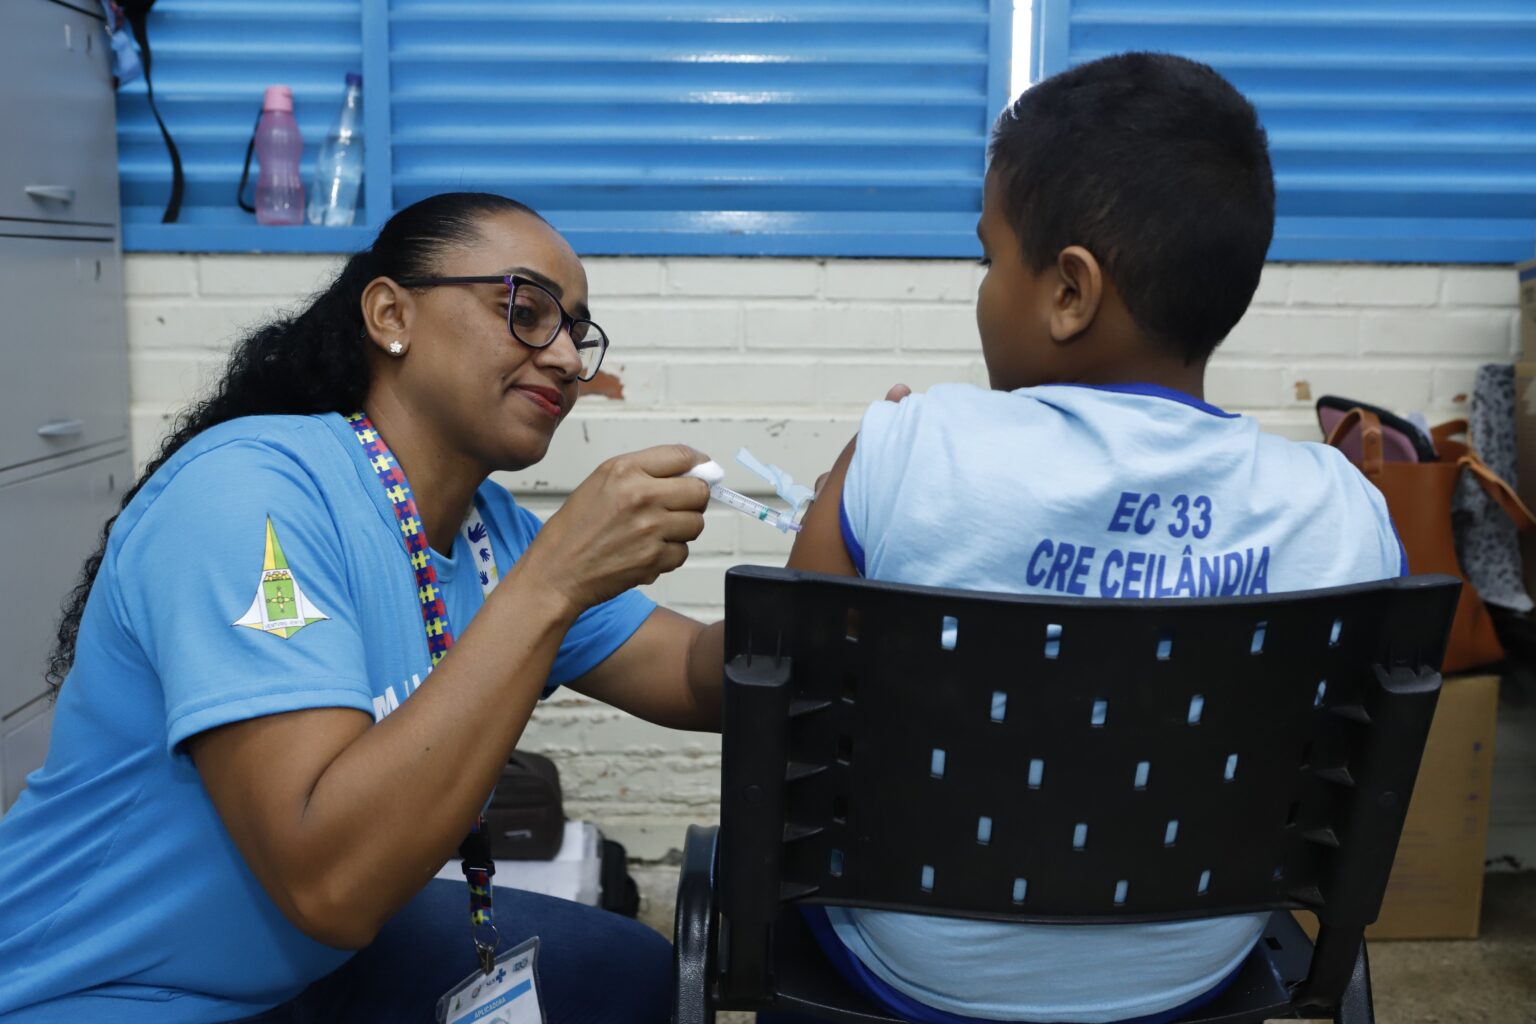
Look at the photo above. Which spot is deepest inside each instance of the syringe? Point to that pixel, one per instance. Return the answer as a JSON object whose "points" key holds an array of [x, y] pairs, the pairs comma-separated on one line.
{"points": [[712, 473], [755, 509]]}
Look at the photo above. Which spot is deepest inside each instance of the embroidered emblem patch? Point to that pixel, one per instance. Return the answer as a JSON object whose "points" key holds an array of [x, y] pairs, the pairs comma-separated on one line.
{"points": [[280, 607]]}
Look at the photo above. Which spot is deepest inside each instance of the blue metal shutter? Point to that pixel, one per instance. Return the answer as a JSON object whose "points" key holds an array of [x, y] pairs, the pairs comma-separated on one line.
{"points": [[790, 127], [804, 127], [1401, 130], [212, 60]]}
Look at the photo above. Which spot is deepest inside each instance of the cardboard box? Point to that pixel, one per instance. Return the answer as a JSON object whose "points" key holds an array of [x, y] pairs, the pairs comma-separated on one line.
{"points": [[1435, 890], [1436, 887], [1527, 275]]}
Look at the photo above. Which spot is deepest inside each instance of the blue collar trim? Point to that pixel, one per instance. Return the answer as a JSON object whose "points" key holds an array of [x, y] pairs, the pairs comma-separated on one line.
{"points": [[1159, 391]]}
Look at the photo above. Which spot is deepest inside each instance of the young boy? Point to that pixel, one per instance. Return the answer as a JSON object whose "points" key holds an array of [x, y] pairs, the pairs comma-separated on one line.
{"points": [[1127, 213]]}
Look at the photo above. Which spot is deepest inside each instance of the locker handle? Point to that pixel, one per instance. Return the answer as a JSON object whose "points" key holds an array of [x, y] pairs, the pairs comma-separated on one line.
{"points": [[62, 428], [58, 193]]}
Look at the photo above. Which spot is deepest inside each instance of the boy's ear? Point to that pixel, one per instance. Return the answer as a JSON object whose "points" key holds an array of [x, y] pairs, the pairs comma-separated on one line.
{"points": [[1079, 290]]}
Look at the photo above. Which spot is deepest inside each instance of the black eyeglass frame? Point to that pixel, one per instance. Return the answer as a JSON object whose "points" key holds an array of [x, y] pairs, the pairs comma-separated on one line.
{"points": [[514, 282]]}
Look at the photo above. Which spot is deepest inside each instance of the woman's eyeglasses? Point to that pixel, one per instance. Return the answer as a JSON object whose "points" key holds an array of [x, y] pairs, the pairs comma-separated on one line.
{"points": [[535, 316]]}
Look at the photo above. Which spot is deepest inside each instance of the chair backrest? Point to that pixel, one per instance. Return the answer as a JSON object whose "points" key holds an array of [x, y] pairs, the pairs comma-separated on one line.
{"points": [[1056, 760]]}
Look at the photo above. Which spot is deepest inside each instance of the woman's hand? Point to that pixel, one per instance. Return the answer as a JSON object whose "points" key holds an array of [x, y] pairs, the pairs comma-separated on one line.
{"points": [[625, 525]]}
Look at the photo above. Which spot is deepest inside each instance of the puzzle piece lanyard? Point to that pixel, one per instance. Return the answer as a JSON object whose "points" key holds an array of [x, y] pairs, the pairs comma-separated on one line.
{"points": [[474, 852]]}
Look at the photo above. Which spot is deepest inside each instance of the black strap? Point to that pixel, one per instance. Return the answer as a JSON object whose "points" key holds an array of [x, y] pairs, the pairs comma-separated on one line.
{"points": [[137, 12], [479, 868], [245, 172], [475, 852]]}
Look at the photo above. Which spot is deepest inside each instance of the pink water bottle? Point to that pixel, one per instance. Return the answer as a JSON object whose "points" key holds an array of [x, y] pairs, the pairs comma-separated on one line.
{"points": [[279, 188]]}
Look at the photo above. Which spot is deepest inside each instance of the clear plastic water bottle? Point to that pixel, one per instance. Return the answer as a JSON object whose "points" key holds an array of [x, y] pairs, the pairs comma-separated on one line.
{"points": [[339, 169], [280, 185]]}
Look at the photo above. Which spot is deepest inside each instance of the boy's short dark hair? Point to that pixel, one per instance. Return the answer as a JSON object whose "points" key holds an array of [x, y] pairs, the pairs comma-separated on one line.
{"points": [[1157, 166]]}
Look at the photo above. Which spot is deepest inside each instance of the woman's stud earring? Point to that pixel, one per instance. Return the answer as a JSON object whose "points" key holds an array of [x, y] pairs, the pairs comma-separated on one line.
{"points": [[395, 348]]}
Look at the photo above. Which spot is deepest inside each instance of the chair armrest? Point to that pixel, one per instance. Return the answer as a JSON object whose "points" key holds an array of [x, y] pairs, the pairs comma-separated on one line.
{"points": [[693, 941]]}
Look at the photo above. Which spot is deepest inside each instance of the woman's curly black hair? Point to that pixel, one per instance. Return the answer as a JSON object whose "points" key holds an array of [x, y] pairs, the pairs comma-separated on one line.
{"points": [[312, 361]]}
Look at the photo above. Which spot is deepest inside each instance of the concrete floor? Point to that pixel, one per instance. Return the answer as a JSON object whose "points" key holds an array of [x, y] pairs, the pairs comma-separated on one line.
{"points": [[1491, 980]]}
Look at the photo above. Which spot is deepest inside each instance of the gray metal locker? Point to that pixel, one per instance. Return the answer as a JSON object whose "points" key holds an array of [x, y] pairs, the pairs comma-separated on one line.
{"points": [[64, 461]]}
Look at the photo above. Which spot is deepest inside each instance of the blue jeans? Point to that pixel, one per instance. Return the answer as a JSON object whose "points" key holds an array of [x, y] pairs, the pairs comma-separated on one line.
{"points": [[594, 967]]}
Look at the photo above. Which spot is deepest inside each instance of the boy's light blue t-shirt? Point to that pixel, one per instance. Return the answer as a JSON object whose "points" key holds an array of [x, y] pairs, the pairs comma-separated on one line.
{"points": [[122, 896], [1133, 491]]}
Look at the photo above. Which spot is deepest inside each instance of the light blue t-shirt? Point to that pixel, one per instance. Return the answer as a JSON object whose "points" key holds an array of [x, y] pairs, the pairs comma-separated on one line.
{"points": [[1132, 491], [122, 896]]}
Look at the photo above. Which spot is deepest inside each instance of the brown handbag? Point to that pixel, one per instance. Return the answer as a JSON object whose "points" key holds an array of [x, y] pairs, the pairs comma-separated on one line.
{"points": [[1419, 500]]}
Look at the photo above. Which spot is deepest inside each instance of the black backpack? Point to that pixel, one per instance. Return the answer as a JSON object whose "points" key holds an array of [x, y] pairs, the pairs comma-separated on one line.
{"points": [[526, 819]]}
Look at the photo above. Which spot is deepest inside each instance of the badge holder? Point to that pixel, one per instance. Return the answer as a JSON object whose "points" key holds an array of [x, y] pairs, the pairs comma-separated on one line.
{"points": [[509, 994]]}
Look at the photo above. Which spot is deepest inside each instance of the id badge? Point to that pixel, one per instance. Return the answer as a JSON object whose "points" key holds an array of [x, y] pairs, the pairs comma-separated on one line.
{"points": [[508, 995]]}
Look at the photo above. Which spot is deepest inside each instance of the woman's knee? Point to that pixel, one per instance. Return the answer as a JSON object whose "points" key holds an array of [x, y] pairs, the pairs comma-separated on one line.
{"points": [[594, 967], [606, 968]]}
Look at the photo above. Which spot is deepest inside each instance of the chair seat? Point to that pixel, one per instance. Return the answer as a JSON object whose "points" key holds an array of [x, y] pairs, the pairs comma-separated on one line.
{"points": [[1262, 988], [807, 983]]}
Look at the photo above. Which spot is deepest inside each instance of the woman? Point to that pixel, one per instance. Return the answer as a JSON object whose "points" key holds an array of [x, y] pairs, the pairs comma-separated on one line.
{"points": [[239, 793]]}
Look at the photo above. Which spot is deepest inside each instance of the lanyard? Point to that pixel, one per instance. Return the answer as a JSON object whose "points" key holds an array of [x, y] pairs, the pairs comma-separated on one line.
{"points": [[474, 852]]}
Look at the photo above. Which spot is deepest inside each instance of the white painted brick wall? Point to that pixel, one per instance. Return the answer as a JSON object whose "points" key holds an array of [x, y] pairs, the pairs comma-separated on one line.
{"points": [[782, 355]]}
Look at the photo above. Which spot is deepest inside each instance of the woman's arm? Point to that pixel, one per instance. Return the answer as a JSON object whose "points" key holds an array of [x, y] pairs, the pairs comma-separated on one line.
{"points": [[670, 671], [343, 820]]}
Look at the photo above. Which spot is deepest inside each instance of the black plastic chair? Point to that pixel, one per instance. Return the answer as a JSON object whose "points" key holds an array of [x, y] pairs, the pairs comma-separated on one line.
{"points": [[870, 726]]}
